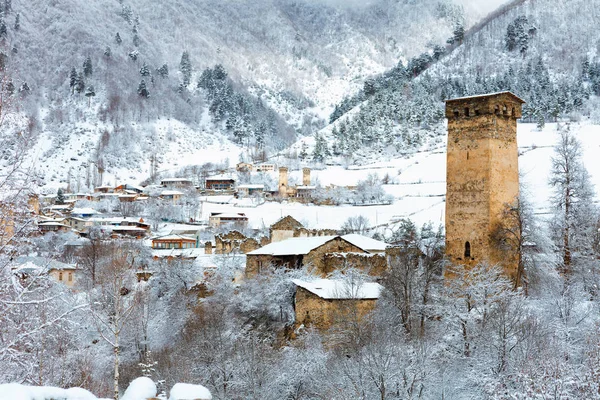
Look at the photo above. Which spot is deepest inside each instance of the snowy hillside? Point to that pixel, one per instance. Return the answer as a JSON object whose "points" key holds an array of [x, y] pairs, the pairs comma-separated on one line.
{"points": [[419, 183], [93, 80]]}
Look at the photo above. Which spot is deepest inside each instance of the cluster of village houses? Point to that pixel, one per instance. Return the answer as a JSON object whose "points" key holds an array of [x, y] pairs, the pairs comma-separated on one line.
{"points": [[288, 245]]}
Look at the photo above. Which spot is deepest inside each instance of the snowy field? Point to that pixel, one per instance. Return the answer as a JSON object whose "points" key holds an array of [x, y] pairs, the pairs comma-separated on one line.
{"points": [[420, 183]]}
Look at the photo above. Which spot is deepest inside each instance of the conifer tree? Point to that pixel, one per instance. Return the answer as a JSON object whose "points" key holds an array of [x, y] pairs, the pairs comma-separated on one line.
{"points": [[87, 66], [145, 70], [163, 71], [89, 93], [143, 90], [136, 38], [107, 52], [80, 84], [17, 21], [73, 79], [24, 89], [118, 39], [10, 88], [3, 30], [60, 196], [185, 67]]}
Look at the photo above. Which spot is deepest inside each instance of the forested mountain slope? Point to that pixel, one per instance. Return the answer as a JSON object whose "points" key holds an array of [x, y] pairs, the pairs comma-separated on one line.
{"points": [[545, 52], [98, 76]]}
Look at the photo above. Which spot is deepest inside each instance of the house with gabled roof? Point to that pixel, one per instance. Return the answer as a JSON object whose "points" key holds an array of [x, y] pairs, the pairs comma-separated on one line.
{"points": [[323, 303], [284, 228]]}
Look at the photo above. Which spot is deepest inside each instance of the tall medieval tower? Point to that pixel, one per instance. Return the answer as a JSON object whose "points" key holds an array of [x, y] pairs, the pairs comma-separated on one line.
{"points": [[482, 177]]}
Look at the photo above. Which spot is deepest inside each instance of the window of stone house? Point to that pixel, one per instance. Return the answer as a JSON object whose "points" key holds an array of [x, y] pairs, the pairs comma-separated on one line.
{"points": [[497, 110], [467, 112], [456, 114], [467, 250], [467, 155], [70, 277], [60, 276]]}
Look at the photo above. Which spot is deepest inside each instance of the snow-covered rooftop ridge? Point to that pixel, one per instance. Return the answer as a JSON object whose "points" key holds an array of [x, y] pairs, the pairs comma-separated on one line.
{"points": [[304, 245], [84, 210], [170, 192], [173, 237], [42, 262], [365, 243], [486, 95], [334, 289], [251, 186], [293, 246]]}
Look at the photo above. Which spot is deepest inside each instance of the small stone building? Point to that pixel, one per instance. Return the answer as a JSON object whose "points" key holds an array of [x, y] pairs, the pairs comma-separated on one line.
{"points": [[284, 229], [323, 303], [307, 251], [234, 242]]}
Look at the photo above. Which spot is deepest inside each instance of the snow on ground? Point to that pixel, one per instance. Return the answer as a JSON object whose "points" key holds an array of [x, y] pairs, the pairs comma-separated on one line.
{"points": [[420, 183]]}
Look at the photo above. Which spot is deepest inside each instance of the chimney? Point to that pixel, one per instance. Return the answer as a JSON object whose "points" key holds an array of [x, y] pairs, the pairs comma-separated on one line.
{"points": [[283, 181], [306, 176]]}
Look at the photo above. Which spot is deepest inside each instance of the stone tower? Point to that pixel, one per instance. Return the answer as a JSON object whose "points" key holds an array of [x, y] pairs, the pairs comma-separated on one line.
{"points": [[482, 176], [306, 176], [283, 182]]}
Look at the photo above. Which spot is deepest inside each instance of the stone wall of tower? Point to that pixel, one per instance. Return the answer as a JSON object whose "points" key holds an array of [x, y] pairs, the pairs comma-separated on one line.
{"points": [[306, 176], [482, 176], [283, 182]]}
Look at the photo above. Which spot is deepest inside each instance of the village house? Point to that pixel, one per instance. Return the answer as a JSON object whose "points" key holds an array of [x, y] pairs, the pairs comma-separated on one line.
{"points": [[26, 267], [217, 219], [234, 242], [129, 189], [250, 190], [265, 167], [220, 183], [177, 182], [284, 229], [172, 195], [103, 189], [308, 251], [244, 167], [53, 226], [78, 224], [173, 242], [323, 303], [83, 212]]}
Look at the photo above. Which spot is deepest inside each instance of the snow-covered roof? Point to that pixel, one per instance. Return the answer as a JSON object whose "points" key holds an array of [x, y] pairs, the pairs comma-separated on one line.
{"points": [[228, 215], [85, 210], [487, 95], [251, 186], [41, 262], [331, 289], [174, 237], [293, 246], [183, 253], [365, 243], [170, 193], [302, 187], [176, 180]]}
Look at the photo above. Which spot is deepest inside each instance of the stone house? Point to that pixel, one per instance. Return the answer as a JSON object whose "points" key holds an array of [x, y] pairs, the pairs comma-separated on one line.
{"points": [[284, 229], [234, 242], [217, 219], [323, 303], [244, 167], [316, 252]]}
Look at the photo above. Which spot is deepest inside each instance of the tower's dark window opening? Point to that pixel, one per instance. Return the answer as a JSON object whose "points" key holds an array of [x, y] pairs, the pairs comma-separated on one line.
{"points": [[467, 250], [466, 111]]}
